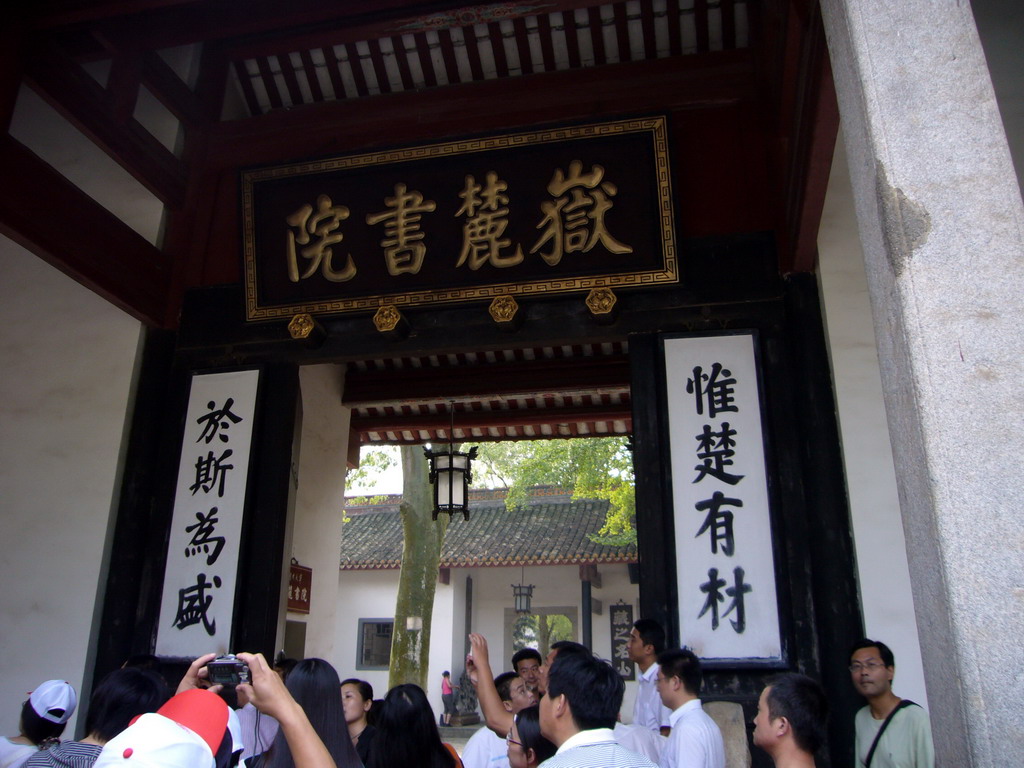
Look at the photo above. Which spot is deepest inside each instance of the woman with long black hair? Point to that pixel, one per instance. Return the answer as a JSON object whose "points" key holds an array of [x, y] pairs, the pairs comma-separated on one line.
{"points": [[407, 733], [315, 685], [527, 747]]}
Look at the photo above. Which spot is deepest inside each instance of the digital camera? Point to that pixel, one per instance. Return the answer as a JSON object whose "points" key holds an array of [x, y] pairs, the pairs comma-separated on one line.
{"points": [[227, 670]]}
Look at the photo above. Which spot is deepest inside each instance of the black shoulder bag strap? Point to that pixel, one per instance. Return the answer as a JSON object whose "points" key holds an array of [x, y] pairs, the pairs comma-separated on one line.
{"points": [[878, 737]]}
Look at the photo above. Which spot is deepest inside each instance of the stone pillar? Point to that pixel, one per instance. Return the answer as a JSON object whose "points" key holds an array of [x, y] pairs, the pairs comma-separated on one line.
{"points": [[942, 229]]}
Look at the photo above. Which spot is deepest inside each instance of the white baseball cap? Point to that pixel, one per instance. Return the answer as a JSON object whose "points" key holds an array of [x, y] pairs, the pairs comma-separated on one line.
{"points": [[54, 696]]}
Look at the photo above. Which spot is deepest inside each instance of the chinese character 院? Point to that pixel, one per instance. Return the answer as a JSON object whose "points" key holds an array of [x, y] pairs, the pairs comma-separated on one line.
{"points": [[316, 233], [402, 243], [574, 222], [486, 222]]}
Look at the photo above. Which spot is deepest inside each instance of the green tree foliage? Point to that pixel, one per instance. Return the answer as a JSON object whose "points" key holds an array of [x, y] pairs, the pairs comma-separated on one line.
{"points": [[373, 464], [533, 631], [593, 468]]}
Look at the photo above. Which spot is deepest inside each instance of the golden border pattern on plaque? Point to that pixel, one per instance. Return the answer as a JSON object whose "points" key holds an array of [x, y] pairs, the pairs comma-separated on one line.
{"points": [[656, 126]]}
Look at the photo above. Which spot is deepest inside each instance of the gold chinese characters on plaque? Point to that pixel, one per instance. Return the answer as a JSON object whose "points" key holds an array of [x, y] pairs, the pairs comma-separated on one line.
{"points": [[557, 210]]}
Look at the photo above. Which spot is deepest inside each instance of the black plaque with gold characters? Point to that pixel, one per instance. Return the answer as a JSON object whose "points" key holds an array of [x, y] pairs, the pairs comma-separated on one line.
{"points": [[550, 210]]}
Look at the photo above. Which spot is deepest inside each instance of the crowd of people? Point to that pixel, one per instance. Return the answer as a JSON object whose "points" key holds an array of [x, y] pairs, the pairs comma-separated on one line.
{"points": [[562, 711]]}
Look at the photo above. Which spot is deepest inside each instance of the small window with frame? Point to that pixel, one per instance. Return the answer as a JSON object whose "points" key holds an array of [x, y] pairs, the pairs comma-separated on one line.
{"points": [[374, 646]]}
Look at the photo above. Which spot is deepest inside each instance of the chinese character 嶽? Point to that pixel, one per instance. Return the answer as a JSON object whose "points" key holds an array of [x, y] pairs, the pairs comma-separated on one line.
{"points": [[569, 217]]}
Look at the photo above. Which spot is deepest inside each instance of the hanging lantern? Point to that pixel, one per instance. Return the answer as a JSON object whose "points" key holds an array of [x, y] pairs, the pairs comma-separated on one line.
{"points": [[450, 475], [522, 594]]}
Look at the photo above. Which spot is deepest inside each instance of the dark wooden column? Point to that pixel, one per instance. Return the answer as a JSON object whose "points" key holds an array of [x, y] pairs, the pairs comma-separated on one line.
{"points": [[258, 599], [655, 540], [127, 622]]}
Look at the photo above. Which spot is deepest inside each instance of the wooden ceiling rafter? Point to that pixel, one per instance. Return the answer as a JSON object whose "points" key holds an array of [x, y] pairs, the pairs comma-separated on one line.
{"points": [[172, 92], [492, 49], [69, 89], [376, 387], [689, 82], [90, 244], [190, 229], [808, 125], [169, 23], [439, 423]]}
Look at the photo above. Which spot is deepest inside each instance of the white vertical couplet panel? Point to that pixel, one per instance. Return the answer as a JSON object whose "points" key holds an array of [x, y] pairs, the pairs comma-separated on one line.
{"points": [[202, 554], [728, 608]]}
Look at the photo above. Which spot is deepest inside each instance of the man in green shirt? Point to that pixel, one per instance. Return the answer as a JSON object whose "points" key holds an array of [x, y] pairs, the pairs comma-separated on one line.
{"points": [[906, 741]]}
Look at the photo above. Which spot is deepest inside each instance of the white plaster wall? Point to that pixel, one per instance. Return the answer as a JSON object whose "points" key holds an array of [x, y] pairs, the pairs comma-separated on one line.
{"points": [[362, 595], [882, 570], [371, 595], [68, 360], [320, 499]]}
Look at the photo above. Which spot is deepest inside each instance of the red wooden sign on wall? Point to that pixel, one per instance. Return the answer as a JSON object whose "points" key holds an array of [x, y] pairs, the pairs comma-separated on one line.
{"points": [[300, 587]]}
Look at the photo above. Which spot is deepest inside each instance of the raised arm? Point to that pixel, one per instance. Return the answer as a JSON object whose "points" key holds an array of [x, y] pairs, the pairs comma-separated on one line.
{"points": [[498, 718], [268, 694]]}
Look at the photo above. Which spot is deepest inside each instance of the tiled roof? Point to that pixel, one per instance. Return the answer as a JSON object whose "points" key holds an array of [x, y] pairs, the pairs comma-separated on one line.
{"points": [[547, 531]]}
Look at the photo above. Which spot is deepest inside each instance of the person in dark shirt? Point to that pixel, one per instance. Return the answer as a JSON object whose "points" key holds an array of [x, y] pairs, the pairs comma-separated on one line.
{"points": [[357, 700]]}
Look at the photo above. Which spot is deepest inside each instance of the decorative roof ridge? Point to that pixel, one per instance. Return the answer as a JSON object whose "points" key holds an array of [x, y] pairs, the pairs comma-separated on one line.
{"points": [[384, 501]]}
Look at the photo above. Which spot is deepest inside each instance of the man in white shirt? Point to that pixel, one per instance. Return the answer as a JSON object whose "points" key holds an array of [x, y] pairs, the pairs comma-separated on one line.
{"points": [[485, 749], [646, 641], [695, 740], [578, 711]]}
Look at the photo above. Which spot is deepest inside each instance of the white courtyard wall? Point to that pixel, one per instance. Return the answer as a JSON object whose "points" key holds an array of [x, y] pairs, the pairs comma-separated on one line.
{"points": [[882, 570], [319, 500], [68, 359], [371, 595]]}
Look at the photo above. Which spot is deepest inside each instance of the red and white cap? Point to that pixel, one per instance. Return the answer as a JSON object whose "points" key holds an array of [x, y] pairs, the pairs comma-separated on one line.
{"points": [[184, 733]]}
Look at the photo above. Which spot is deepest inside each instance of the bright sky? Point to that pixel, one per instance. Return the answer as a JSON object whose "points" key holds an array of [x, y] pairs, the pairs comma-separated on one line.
{"points": [[388, 482]]}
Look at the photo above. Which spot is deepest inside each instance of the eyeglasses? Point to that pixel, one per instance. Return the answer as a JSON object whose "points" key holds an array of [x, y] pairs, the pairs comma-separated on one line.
{"points": [[868, 665], [510, 740]]}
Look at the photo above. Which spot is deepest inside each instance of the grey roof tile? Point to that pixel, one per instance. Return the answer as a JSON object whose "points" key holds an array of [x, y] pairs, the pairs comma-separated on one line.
{"points": [[552, 530]]}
